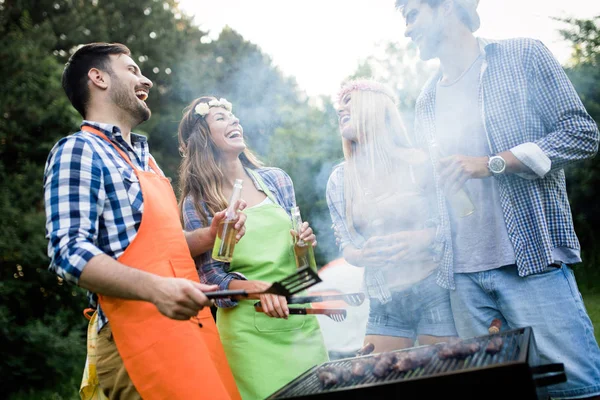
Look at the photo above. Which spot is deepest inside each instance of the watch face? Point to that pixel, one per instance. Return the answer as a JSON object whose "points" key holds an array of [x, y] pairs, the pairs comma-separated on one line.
{"points": [[497, 164]]}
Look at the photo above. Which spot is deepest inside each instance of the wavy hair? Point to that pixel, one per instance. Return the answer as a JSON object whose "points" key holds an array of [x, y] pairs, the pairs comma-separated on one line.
{"points": [[200, 171]]}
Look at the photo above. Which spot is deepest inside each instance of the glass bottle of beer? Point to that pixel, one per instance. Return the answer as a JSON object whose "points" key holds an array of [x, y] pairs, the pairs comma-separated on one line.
{"points": [[225, 240], [460, 202], [303, 252]]}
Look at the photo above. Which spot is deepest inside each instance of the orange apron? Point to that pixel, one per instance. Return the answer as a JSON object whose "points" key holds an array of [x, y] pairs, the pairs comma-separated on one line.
{"points": [[165, 358]]}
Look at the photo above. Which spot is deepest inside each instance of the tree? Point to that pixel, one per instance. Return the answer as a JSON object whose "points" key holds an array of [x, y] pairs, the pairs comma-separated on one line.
{"points": [[584, 178]]}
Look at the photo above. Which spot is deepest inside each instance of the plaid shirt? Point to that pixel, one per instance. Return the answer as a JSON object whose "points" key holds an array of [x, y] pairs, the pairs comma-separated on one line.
{"points": [[528, 106], [217, 272], [93, 200], [375, 283]]}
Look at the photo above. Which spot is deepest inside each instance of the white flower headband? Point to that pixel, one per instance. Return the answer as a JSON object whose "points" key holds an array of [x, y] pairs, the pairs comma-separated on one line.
{"points": [[202, 108]]}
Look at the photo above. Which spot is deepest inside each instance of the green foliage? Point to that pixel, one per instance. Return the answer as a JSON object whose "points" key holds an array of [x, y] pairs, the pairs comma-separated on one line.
{"points": [[584, 178]]}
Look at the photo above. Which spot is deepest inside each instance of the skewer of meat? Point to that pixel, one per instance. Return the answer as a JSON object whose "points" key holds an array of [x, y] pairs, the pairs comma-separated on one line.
{"points": [[366, 349], [495, 345], [495, 326], [362, 367], [458, 349], [333, 374], [384, 364]]}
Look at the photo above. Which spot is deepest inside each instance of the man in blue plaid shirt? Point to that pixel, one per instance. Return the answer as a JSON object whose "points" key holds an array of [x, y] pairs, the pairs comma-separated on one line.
{"points": [[94, 203], [501, 120]]}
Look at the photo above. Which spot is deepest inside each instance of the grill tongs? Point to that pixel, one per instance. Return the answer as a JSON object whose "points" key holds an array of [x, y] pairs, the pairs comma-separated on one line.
{"points": [[352, 299], [336, 314], [300, 280]]}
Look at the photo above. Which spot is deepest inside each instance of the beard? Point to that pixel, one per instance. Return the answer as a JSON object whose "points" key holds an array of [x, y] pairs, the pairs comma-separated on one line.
{"points": [[129, 104]]}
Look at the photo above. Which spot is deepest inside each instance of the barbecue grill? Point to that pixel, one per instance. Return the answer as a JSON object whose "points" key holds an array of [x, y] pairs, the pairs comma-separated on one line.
{"points": [[512, 373]]}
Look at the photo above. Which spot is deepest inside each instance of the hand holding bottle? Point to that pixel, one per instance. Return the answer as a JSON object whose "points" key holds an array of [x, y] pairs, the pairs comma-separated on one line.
{"points": [[306, 234], [226, 237], [240, 221]]}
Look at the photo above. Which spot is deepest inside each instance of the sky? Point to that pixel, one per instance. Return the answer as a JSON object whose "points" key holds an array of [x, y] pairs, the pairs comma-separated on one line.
{"points": [[321, 42]]}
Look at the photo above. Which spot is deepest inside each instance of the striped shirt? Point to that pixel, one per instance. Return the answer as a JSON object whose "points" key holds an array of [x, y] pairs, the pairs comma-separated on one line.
{"points": [[217, 272], [528, 106], [93, 200]]}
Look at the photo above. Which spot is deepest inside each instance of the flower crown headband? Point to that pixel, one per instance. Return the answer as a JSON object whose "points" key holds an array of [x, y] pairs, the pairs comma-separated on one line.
{"points": [[202, 108], [366, 85]]}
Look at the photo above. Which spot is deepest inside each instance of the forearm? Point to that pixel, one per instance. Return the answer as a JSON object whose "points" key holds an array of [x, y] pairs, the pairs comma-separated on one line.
{"points": [[514, 165], [200, 241], [353, 255], [106, 276]]}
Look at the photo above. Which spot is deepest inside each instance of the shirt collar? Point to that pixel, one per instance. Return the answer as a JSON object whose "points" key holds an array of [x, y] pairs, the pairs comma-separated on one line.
{"points": [[113, 131]]}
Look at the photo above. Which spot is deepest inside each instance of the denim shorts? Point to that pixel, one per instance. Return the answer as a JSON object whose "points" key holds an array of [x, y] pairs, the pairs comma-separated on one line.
{"points": [[550, 303], [422, 309]]}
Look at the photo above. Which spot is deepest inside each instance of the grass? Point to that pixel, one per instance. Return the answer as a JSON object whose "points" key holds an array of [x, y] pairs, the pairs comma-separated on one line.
{"points": [[592, 303]]}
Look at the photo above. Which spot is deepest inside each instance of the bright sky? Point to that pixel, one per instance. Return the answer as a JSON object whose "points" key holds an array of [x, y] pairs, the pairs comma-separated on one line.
{"points": [[320, 42]]}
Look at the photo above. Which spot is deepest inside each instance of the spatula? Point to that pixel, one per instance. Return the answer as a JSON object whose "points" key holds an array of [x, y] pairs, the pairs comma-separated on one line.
{"points": [[300, 280]]}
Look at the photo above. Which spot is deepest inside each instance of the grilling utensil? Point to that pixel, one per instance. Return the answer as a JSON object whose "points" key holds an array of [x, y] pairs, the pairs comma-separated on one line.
{"points": [[300, 280], [336, 314], [352, 299]]}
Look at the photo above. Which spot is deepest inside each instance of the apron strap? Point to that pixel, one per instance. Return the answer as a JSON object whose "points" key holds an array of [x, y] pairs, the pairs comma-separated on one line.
{"points": [[125, 156], [262, 185]]}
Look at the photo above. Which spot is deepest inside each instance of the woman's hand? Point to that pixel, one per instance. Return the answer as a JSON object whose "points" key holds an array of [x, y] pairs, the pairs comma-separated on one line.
{"points": [[306, 234], [240, 221], [407, 246], [273, 305]]}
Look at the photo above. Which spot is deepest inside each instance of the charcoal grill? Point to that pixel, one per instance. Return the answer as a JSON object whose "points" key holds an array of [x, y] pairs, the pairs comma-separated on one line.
{"points": [[512, 373]]}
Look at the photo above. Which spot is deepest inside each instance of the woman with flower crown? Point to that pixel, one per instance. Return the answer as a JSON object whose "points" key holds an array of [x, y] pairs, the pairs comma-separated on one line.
{"points": [[265, 350], [381, 207]]}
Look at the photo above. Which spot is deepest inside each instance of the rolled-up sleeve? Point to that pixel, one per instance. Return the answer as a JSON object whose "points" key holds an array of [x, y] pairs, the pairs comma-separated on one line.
{"points": [[210, 271], [573, 133], [74, 197]]}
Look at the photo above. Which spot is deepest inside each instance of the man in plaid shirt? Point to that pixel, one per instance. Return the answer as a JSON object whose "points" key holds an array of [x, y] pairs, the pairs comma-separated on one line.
{"points": [[501, 120], [95, 205]]}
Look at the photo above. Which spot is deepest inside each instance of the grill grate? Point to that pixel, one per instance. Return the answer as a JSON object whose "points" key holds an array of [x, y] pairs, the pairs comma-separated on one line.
{"points": [[514, 351]]}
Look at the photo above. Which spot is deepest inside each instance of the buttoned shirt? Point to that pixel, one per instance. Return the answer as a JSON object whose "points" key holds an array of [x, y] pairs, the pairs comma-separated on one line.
{"points": [[93, 200], [528, 106]]}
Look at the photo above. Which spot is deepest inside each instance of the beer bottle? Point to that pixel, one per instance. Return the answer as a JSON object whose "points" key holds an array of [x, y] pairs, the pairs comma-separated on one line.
{"points": [[225, 240], [303, 252], [459, 202]]}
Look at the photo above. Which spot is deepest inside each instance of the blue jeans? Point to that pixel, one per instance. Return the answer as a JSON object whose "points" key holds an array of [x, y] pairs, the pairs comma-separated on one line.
{"points": [[422, 309], [550, 303]]}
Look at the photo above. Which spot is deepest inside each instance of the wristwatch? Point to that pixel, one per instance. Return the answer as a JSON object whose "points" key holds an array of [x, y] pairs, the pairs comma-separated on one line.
{"points": [[496, 164]]}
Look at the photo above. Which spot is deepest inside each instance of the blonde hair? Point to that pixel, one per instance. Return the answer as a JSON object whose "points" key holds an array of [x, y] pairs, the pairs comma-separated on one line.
{"points": [[379, 129], [200, 171]]}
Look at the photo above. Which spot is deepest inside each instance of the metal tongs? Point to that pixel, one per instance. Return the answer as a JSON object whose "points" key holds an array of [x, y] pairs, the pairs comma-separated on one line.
{"points": [[300, 280], [352, 299], [336, 314]]}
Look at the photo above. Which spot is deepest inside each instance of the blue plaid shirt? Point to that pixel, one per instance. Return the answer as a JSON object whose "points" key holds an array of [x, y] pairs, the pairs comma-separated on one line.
{"points": [[217, 272], [528, 106], [93, 200]]}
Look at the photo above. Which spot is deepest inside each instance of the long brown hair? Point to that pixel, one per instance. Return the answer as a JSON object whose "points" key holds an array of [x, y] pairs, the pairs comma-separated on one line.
{"points": [[200, 171]]}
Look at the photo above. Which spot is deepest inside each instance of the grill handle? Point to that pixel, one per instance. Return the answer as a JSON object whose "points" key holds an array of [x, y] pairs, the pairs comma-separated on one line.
{"points": [[548, 374]]}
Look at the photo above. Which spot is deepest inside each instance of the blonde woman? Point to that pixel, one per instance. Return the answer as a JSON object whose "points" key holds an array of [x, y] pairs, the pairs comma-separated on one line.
{"points": [[265, 350], [381, 209]]}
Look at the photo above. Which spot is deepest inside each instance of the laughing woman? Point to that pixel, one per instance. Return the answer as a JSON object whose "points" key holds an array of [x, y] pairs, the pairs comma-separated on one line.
{"points": [[265, 350], [378, 199]]}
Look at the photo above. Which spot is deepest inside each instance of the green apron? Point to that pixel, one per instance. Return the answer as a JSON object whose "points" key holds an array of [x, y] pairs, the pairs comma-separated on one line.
{"points": [[266, 353]]}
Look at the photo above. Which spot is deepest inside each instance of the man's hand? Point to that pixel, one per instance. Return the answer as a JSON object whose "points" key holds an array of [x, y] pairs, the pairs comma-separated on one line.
{"points": [[179, 298], [240, 224], [456, 170], [306, 234]]}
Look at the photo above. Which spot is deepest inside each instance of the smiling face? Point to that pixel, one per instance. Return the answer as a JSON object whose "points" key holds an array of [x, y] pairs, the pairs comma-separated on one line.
{"points": [[225, 130], [347, 129], [425, 27], [129, 89]]}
